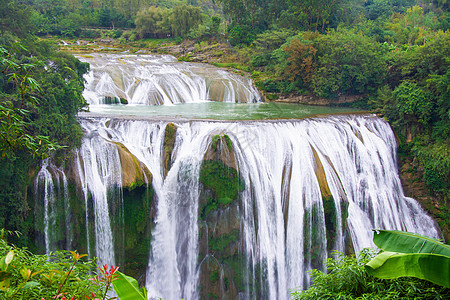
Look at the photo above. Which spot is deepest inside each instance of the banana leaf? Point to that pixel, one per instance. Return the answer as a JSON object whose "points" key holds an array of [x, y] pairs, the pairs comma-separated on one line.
{"points": [[406, 242], [127, 288], [431, 267]]}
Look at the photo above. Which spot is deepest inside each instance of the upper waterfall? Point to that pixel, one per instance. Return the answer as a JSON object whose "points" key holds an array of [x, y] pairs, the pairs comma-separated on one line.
{"points": [[161, 79]]}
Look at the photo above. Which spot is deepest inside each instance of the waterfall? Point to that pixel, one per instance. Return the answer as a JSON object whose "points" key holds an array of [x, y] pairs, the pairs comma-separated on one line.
{"points": [[225, 209], [99, 172], [52, 219], [311, 186], [161, 79]]}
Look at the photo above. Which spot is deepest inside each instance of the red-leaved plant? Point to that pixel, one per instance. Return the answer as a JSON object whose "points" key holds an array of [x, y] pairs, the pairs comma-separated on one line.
{"points": [[106, 278]]}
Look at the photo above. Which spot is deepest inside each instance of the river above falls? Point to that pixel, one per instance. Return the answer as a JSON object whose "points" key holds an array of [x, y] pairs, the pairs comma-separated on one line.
{"points": [[215, 111]]}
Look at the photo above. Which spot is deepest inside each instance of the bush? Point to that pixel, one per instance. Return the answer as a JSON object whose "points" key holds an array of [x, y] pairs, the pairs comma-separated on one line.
{"points": [[241, 34], [347, 63], [91, 33], [435, 158], [29, 276], [346, 278]]}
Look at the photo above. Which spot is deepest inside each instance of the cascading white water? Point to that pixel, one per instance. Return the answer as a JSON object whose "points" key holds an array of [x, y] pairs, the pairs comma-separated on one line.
{"points": [[283, 219], [161, 79], [67, 210], [99, 172], [51, 192], [44, 181]]}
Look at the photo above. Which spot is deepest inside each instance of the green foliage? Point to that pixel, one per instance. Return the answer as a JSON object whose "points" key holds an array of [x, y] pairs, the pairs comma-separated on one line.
{"points": [[20, 90], [15, 18], [347, 63], [161, 22], [407, 242], [241, 35], [224, 181], [40, 91], [413, 103], [416, 105], [183, 18], [128, 288], [435, 157], [153, 22], [25, 275], [346, 278], [220, 243], [14, 209], [409, 254]]}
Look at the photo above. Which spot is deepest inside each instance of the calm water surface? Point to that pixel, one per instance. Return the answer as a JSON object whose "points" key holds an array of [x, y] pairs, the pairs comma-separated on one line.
{"points": [[216, 111]]}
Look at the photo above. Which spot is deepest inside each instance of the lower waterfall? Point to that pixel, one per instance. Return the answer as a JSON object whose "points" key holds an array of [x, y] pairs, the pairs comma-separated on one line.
{"points": [[235, 209]]}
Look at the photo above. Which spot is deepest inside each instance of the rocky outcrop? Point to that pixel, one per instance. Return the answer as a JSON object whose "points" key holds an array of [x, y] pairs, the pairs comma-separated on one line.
{"points": [[138, 215], [314, 100], [220, 230], [329, 207], [170, 135], [221, 149], [134, 172], [411, 175]]}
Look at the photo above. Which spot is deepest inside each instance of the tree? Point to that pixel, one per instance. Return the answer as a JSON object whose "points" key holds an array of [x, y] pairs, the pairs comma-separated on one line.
{"points": [[15, 18], [153, 22], [414, 104], [40, 94], [183, 18], [301, 62], [315, 14], [14, 130], [347, 63]]}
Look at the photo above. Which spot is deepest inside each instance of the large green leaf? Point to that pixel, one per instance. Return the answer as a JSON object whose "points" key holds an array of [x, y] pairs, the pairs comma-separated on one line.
{"points": [[127, 288], [406, 242], [431, 267]]}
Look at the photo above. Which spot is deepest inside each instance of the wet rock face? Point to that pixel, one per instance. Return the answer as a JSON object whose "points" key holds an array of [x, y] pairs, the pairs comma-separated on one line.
{"points": [[221, 149], [170, 135], [220, 232], [219, 176], [134, 172], [330, 209], [134, 230]]}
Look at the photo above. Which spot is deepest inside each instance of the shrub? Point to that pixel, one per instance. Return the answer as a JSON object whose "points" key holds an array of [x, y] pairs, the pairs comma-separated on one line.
{"points": [[25, 275], [346, 278]]}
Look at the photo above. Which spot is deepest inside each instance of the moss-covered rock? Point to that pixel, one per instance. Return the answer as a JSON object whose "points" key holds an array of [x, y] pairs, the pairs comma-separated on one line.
{"points": [[224, 182], [138, 216], [220, 228], [170, 135], [221, 149], [219, 176]]}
